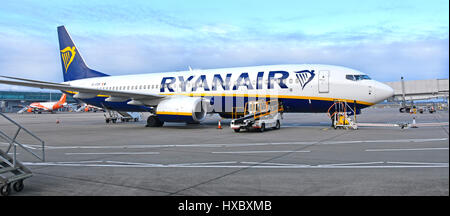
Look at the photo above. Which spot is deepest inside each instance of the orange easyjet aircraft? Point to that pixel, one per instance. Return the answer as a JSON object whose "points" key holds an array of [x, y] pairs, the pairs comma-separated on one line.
{"points": [[47, 106]]}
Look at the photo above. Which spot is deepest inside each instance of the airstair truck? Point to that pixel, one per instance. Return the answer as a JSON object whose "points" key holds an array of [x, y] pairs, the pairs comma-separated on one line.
{"points": [[260, 114]]}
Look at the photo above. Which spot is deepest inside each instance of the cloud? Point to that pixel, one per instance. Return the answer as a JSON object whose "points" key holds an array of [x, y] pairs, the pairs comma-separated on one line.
{"points": [[34, 58], [29, 57]]}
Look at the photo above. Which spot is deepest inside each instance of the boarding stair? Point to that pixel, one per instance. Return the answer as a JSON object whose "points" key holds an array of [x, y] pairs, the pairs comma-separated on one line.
{"points": [[12, 171], [341, 115], [22, 110]]}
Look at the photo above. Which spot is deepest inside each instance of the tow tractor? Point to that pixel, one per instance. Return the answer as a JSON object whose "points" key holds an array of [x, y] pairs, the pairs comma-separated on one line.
{"points": [[260, 114]]}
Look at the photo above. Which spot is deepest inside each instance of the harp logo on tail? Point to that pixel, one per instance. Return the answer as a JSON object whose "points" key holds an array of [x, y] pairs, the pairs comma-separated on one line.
{"points": [[67, 55], [304, 77]]}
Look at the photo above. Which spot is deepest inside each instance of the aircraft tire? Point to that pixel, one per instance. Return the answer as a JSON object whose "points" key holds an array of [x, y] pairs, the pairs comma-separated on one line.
{"points": [[5, 190], [153, 121], [18, 186]]}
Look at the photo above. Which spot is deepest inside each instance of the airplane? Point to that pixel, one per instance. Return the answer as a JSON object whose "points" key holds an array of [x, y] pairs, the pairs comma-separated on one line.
{"points": [[88, 108], [188, 96], [38, 107]]}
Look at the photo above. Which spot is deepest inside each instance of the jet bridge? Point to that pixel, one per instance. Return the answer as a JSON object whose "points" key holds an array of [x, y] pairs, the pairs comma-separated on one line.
{"points": [[412, 90]]}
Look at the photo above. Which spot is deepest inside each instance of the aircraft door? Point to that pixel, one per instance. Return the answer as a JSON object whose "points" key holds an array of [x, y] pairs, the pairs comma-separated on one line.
{"points": [[324, 82]]}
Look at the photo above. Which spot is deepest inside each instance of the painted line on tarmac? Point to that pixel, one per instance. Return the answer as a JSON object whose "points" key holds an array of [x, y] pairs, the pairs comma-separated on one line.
{"points": [[359, 165], [412, 149], [113, 153], [277, 164], [259, 152], [25, 145], [206, 163], [353, 164], [418, 163], [225, 145]]}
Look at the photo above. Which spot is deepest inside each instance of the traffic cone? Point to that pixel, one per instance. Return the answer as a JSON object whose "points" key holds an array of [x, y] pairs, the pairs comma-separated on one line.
{"points": [[414, 123], [219, 126]]}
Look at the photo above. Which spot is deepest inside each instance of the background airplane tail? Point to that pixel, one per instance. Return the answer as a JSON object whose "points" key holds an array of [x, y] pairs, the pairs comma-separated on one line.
{"points": [[63, 98], [73, 65]]}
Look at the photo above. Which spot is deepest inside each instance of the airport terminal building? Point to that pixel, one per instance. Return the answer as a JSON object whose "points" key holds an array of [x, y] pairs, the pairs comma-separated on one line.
{"points": [[13, 101]]}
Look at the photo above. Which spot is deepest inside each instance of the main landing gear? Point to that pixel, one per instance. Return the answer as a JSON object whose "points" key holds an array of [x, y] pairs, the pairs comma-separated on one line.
{"points": [[153, 121]]}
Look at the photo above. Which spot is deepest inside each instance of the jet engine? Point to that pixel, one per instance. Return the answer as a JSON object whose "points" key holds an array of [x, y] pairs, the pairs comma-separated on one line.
{"points": [[182, 109]]}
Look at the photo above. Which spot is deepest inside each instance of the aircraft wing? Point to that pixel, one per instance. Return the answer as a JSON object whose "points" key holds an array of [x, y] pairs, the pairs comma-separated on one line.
{"points": [[66, 87]]}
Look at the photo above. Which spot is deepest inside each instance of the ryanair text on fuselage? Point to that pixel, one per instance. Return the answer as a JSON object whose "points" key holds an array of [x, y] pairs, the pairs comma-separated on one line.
{"points": [[278, 77]]}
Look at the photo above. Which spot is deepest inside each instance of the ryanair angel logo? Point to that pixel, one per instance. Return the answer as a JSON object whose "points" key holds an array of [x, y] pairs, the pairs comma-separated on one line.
{"points": [[67, 55], [304, 77]]}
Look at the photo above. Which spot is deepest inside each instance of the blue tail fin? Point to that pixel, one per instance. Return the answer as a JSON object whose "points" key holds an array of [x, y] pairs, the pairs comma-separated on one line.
{"points": [[73, 65]]}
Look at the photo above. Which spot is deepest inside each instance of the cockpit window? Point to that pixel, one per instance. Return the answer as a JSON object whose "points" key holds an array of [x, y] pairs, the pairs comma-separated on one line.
{"points": [[362, 77], [357, 77]]}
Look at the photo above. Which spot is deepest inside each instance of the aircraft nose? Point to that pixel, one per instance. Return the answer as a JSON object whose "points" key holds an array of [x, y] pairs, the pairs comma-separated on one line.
{"points": [[383, 92]]}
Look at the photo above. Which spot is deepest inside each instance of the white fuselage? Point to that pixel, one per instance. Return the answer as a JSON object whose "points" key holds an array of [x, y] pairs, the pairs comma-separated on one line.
{"points": [[43, 105], [313, 82]]}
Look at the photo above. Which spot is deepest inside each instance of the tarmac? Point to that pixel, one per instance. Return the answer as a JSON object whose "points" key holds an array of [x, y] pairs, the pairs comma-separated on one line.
{"points": [[306, 157]]}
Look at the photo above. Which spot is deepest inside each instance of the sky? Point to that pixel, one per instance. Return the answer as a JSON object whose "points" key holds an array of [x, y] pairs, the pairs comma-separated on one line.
{"points": [[385, 39]]}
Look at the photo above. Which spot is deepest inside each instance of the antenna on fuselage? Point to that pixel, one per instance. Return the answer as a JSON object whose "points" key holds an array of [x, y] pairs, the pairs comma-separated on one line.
{"points": [[190, 69]]}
